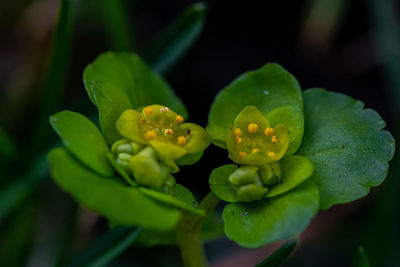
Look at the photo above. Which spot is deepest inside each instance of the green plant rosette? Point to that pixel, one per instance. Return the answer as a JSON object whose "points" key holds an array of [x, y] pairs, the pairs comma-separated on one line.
{"points": [[89, 167], [336, 150]]}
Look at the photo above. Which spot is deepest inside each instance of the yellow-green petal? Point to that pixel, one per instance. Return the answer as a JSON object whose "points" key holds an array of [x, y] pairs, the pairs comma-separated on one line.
{"points": [[198, 138], [128, 125]]}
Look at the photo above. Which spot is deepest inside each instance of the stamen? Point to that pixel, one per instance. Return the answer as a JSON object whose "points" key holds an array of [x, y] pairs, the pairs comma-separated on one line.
{"points": [[148, 111], [168, 132], [179, 119], [252, 128], [269, 131], [254, 150], [150, 134], [238, 140], [242, 154], [181, 140], [142, 120], [164, 109], [274, 139], [272, 154], [237, 132]]}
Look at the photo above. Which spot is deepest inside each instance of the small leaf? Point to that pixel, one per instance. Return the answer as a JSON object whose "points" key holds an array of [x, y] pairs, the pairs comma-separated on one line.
{"points": [[111, 102], [83, 140], [255, 224], [172, 201], [128, 72], [119, 203], [174, 42], [267, 88], [107, 247], [346, 144], [295, 170], [280, 255], [292, 118], [220, 185]]}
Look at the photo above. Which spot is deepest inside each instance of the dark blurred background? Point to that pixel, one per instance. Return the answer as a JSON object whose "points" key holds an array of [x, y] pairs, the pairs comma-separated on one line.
{"points": [[348, 46]]}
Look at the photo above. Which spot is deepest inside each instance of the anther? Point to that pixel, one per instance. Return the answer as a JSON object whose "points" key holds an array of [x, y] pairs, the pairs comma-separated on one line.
{"points": [[150, 134], [253, 127], [274, 139], [142, 120], [254, 150], [269, 131], [181, 140], [164, 109], [148, 111], [272, 154], [242, 154], [238, 140], [237, 132], [168, 132], [179, 119]]}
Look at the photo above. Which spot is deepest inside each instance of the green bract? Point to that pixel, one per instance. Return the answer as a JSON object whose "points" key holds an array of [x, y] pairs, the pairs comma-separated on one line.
{"points": [[140, 143], [274, 193]]}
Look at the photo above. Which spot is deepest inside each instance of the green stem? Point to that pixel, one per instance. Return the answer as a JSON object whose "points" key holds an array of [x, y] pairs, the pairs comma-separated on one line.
{"points": [[189, 234]]}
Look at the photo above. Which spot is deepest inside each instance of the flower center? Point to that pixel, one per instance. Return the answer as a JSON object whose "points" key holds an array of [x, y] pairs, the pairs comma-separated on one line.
{"points": [[159, 123]]}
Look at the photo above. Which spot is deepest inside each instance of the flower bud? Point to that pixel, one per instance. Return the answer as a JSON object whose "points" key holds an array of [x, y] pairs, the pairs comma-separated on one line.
{"points": [[247, 184], [270, 174]]}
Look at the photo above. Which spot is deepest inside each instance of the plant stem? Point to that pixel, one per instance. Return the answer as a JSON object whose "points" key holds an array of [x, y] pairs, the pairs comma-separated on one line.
{"points": [[189, 234]]}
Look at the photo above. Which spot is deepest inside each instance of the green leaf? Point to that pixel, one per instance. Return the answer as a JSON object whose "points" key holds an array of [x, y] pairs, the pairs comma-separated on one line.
{"points": [[172, 201], [111, 102], [280, 255], [83, 140], [363, 260], [107, 247], [129, 73], [295, 170], [109, 197], [267, 88], [292, 118], [175, 41], [254, 224], [220, 185], [346, 144], [189, 159]]}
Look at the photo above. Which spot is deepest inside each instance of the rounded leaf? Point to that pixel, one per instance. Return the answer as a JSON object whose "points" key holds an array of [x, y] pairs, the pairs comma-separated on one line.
{"points": [[295, 170], [121, 204], [111, 101], [258, 223], [83, 139], [346, 144], [219, 182], [128, 72]]}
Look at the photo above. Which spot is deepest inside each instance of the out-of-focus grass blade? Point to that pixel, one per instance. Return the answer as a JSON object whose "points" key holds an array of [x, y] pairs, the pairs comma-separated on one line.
{"points": [[54, 79], [384, 215], [173, 43], [362, 258], [106, 248], [16, 191], [279, 256], [7, 147], [118, 25]]}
